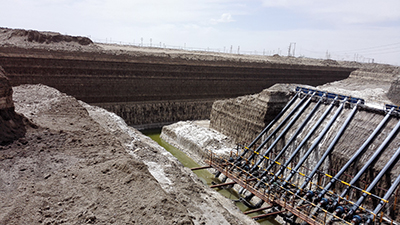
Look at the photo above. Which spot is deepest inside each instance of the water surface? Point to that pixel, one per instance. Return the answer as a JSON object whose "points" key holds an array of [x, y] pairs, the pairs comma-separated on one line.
{"points": [[205, 176]]}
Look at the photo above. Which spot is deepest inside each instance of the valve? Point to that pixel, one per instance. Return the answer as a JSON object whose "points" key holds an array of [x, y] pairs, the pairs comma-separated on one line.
{"points": [[356, 219]]}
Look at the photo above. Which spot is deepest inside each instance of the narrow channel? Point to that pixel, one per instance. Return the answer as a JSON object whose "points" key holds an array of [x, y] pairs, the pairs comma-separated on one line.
{"points": [[205, 176]]}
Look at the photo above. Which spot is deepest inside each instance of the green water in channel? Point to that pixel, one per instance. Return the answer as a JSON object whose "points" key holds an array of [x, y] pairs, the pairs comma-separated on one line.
{"points": [[205, 176]]}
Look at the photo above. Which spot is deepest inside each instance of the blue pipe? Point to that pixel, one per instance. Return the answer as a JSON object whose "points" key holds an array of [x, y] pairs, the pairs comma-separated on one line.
{"points": [[270, 125], [384, 199], [359, 152], [316, 142], [388, 165], [330, 148], [285, 130], [369, 163], [310, 133]]}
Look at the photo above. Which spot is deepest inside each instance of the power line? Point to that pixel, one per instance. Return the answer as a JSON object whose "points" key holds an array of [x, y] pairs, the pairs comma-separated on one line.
{"points": [[378, 53], [371, 48], [365, 51], [383, 50]]}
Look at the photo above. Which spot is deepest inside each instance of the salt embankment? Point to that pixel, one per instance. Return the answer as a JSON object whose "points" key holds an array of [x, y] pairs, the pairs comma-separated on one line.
{"points": [[197, 140]]}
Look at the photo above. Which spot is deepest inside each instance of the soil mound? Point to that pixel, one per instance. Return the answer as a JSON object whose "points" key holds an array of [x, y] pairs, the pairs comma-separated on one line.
{"points": [[49, 37], [81, 164], [40, 39], [70, 170]]}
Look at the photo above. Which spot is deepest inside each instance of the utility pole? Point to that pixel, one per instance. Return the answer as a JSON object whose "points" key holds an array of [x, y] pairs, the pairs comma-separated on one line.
{"points": [[328, 56], [292, 50]]}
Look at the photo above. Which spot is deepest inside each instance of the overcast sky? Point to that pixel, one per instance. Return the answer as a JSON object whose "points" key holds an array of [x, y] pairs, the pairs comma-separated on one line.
{"points": [[341, 29]]}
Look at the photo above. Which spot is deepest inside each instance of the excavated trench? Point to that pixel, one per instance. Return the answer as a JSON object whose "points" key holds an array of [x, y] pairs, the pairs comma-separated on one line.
{"points": [[150, 90], [156, 89], [205, 176]]}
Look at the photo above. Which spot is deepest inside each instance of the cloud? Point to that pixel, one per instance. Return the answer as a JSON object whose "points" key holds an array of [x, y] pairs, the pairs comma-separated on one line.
{"points": [[342, 11], [155, 11], [270, 25], [225, 18]]}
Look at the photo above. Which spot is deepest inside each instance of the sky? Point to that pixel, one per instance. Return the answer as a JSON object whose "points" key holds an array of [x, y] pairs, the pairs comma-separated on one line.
{"points": [[353, 30]]}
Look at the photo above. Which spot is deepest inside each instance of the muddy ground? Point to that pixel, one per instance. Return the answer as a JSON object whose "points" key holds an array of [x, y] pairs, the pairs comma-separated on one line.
{"points": [[79, 164]]}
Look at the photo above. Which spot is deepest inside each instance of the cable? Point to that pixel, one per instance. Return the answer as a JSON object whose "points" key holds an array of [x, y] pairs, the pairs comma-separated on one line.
{"points": [[369, 48]]}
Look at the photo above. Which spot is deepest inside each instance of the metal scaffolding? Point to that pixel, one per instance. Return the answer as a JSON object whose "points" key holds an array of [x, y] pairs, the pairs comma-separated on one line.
{"points": [[295, 192]]}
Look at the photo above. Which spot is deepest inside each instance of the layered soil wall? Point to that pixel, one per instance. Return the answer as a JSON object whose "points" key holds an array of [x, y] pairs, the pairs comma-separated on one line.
{"points": [[99, 77], [154, 114], [243, 118]]}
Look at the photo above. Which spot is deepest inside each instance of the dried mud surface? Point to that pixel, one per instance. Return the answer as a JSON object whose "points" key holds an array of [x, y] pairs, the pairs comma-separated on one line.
{"points": [[71, 169]]}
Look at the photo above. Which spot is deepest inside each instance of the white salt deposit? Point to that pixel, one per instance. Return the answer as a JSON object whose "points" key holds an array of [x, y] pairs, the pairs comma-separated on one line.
{"points": [[197, 141]]}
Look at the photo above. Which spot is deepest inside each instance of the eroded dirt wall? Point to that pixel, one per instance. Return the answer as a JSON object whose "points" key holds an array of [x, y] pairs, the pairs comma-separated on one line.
{"points": [[154, 114], [99, 77], [243, 118], [11, 124]]}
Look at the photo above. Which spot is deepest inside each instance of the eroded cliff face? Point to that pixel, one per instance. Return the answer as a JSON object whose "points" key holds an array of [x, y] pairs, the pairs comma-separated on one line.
{"points": [[11, 125], [243, 118]]}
